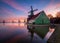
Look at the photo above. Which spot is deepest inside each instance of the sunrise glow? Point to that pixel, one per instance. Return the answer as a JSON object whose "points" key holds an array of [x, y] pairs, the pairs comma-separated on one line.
{"points": [[14, 10]]}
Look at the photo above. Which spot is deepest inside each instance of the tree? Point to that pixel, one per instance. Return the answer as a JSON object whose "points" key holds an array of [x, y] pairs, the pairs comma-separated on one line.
{"points": [[50, 16], [3, 21], [58, 14]]}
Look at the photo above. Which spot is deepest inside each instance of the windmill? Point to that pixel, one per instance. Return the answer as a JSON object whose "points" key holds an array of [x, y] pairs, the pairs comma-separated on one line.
{"points": [[32, 12]]}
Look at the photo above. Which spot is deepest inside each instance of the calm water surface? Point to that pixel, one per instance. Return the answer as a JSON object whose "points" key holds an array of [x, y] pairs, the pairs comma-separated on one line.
{"points": [[17, 33]]}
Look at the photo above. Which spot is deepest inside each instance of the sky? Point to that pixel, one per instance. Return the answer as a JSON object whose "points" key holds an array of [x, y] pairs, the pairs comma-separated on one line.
{"points": [[19, 8]]}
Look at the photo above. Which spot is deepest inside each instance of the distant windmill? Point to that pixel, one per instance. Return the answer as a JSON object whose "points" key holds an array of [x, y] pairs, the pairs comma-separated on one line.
{"points": [[3, 21], [18, 21], [12, 21]]}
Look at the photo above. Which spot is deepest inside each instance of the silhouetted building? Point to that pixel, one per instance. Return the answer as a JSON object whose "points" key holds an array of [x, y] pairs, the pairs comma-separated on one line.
{"points": [[3, 21], [18, 21], [39, 18], [55, 20], [12, 21]]}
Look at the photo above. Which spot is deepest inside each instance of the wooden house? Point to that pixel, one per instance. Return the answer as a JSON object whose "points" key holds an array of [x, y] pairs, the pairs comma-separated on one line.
{"points": [[42, 18], [39, 18]]}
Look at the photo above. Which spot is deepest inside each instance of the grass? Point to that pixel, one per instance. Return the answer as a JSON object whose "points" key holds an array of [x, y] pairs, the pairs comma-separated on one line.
{"points": [[55, 38]]}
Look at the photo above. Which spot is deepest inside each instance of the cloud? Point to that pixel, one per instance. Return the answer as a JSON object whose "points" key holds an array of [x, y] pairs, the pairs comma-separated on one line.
{"points": [[6, 13], [52, 8], [15, 5]]}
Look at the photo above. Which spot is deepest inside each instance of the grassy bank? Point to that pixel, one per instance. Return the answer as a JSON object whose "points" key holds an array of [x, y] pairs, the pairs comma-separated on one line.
{"points": [[55, 38]]}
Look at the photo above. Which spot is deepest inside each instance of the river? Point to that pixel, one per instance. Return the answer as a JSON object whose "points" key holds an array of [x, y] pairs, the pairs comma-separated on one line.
{"points": [[18, 33]]}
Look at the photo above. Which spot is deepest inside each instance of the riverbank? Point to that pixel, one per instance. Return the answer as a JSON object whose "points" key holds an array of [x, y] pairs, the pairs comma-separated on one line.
{"points": [[42, 24], [55, 38], [41, 30]]}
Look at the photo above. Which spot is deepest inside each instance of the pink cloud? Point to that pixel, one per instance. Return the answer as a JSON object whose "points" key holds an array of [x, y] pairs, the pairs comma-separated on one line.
{"points": [[15, 5], [7, 12], [52, 8], [8, 15]]}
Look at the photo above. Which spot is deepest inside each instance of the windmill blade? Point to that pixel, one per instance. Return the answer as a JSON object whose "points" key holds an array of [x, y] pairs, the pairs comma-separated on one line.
{"points": [[31, 8], [29, 12], [35, 10]]}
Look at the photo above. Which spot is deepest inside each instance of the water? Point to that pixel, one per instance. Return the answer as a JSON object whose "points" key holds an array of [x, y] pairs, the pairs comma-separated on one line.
{"points": [[19, 33]]}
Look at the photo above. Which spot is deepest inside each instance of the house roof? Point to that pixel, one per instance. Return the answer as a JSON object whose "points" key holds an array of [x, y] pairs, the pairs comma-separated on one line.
{"points": [[33, 17]]}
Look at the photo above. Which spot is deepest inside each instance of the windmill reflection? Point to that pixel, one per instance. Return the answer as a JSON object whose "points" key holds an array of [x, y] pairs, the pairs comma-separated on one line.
{"points": [[47, 35], [31, 30]]}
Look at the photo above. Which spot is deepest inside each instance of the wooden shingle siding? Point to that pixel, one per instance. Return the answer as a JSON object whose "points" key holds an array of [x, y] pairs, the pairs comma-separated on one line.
{"points": [[42, 19]]}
